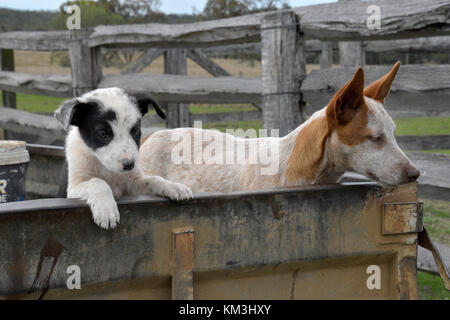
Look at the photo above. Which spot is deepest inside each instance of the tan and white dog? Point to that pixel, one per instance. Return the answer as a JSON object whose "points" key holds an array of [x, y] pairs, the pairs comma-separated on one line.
{"points": [[352, 133], [102, 152]]}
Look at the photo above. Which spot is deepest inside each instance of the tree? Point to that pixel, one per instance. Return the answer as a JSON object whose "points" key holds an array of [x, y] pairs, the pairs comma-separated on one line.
{"points": [[217, 9], [135, 11]]}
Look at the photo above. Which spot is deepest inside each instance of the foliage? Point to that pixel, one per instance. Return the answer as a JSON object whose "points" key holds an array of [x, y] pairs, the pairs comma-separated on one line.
{"points": [[217, 9], [11, 19], [135, 11]]}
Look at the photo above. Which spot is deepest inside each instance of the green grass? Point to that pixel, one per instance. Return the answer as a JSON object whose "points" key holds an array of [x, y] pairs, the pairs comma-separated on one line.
{"points": [[36, 103], [436, 217], [422, 126], [437, 151], [431, 287]]}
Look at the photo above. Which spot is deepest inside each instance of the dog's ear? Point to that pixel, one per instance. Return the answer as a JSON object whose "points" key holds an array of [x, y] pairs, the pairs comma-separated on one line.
{"points": [[379, 89], [71, 111], [65, 113], [346, 102], [143, 100]]}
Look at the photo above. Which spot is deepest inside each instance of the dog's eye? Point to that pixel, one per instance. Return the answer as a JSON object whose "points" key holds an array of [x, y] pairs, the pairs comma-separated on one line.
{"points": [[376, 139], [102, 134]]}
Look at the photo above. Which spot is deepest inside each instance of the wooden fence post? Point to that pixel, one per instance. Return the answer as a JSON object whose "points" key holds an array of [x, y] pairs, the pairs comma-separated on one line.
{"points": [[283, 70], [326, 55], [351, 54], [9, 98], [175, 62], [85, 62]]}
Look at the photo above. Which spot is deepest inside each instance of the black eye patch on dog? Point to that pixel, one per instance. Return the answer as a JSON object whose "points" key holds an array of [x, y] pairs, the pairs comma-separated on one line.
{"points": [[93, 124], [135, 132]]}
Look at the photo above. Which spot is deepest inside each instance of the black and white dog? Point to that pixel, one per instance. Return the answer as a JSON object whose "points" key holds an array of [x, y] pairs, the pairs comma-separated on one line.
{"points": [[102, 152]]}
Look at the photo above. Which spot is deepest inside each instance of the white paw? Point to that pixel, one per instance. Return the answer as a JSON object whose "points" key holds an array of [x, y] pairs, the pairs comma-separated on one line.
{"points": [[105, 213], [176, 191]]}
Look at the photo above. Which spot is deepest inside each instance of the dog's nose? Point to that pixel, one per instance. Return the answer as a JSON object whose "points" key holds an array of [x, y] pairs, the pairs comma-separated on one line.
{"points": [[128, 164], [413, 174]]}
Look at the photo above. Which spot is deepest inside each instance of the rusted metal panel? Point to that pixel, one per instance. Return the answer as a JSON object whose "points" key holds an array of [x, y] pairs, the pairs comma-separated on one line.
{"points": [[292, 243], [183, 264], [403, 217]]}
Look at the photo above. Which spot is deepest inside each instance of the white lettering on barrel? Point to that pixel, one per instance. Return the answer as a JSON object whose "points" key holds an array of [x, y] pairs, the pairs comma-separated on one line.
{"points": [[3, 195], [3, 184]]}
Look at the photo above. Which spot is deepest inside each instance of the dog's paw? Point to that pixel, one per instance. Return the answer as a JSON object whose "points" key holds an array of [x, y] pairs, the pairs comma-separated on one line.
{"points": [[176, 191], [105, 213]]}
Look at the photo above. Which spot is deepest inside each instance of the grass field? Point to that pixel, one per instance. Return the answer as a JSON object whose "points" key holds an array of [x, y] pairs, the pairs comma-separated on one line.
{"points": [[436, 213]]}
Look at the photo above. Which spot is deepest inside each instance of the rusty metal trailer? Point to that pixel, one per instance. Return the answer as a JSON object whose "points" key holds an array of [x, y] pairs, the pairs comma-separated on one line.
{"points": [[293, 243]]}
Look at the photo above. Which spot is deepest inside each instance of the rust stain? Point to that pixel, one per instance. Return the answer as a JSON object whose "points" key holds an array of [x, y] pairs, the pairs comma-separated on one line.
{"points": [[404, 217], [294, 279], [183, 264], [49, 255]]}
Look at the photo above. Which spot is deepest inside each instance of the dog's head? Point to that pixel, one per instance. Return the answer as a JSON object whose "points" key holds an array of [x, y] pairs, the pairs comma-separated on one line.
{"points": [[109, 123], [359, 132]]}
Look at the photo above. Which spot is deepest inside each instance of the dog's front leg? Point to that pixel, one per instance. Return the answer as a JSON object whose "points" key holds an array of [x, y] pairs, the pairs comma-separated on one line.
{"points": [[99, 196], [155, 185]]}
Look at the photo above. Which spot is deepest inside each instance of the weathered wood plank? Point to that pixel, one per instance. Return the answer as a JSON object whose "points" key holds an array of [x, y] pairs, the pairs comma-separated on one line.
{"points": [[51, 85], [7, 64], [210, 117], [35, 40], [332, 21], [434, 142], [85, 62], [203, 61], [144, 60], [351, 54], [206, 33], [9, 98], [418, 90], [32, 127], [175, 62], [416, 45], [434, 181], [283, 70], [29, 119], [187, 89], [233, 50], [326, 55]]}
